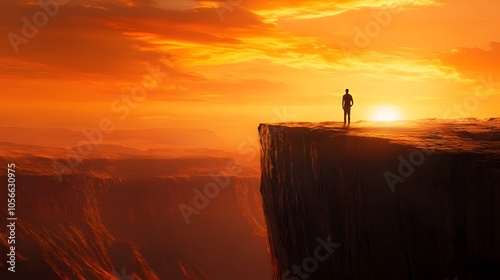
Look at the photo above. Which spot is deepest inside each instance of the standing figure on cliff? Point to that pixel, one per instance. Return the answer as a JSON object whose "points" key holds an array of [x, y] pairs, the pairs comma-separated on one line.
{"points": [[347, 103]]}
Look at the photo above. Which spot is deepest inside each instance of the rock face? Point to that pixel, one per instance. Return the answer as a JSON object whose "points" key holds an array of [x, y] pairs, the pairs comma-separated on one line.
{"points": [[119, 218], [415, 200]]}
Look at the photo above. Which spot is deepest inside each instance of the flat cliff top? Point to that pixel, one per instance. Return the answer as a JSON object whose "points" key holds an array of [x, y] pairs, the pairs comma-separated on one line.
{"points": [[456, 136]]}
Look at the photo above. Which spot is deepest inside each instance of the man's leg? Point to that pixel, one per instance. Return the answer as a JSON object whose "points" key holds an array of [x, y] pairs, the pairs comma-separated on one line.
{"points": [[349, 115], [345, 113]]}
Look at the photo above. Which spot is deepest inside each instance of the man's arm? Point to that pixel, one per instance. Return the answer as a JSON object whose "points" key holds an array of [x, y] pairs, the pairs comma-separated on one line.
{"points": [[343, 101], [352, 101]]}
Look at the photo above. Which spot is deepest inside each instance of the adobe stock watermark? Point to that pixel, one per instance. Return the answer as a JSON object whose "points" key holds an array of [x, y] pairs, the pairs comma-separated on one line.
{"points": [[364, 35], [281, 116], [123, 275], [487, 86], [211, 190], [311, 264], [249, 148], [407, 165], [40, 19], [121, 107], [226, 6]]}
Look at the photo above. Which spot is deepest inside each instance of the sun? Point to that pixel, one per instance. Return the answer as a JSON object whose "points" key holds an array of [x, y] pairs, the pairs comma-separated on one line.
{"points": [[385, 114]]}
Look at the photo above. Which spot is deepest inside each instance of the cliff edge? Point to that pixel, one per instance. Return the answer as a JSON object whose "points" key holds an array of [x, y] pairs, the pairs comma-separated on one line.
{"points": [[406, 200]]}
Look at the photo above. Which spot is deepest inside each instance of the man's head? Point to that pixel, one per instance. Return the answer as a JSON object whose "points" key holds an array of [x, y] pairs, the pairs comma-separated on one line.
{"points": [[346, 90]]}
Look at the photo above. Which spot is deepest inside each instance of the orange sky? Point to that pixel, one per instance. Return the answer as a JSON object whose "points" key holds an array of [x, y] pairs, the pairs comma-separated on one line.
{"points": [[228, 66]]}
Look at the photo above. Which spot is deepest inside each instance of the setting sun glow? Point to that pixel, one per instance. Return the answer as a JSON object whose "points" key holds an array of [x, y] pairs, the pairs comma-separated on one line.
{"points": [[385, 114]]}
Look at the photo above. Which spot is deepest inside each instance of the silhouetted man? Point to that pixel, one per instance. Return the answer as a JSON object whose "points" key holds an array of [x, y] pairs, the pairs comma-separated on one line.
{"points": [[347, 103]]}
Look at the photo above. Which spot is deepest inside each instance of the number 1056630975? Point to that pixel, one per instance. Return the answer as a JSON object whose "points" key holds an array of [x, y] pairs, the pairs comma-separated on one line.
{"points": [[11, 188]]}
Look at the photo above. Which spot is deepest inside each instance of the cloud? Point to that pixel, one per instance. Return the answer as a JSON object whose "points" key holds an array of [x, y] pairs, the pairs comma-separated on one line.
{"points": [[304, 9], [115, 39], [473, 62]]}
